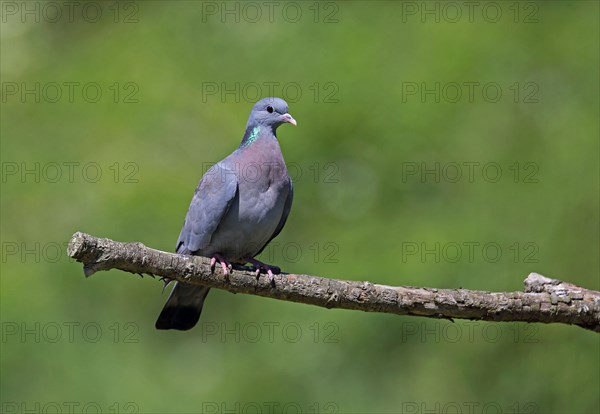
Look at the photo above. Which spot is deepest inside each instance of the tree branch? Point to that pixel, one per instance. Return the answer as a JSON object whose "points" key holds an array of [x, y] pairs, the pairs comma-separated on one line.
{"points": [[543, 300]]}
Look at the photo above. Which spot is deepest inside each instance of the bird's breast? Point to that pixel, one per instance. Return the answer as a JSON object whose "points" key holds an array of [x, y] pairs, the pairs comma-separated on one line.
{"points": [[263, 188]]}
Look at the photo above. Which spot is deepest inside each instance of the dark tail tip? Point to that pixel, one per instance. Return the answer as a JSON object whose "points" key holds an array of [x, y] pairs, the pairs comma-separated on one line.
{"points": [[181, 318]]}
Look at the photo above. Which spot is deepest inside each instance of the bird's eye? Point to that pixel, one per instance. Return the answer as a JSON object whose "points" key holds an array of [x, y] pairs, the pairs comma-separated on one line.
{"points": [[270, 109]]}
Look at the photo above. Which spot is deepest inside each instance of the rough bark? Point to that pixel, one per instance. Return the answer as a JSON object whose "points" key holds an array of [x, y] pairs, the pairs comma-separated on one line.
{"points": [[543, 300]]}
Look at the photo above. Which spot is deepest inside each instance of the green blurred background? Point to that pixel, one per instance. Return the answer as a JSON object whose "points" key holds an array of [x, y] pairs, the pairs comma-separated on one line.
{"points": [[365, 206]]}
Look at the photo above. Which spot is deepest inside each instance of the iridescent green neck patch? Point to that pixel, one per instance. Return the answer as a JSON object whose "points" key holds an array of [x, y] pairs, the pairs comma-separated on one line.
{"points": [[253, 136]]}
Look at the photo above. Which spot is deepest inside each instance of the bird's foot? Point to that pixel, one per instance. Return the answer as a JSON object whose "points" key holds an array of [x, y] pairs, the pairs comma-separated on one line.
{"points": [[225, 265], [269, 269], [166, 281]]}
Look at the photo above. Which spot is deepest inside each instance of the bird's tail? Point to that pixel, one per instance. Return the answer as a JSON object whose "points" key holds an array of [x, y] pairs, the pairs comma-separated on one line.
{"points": [[183, 307]]}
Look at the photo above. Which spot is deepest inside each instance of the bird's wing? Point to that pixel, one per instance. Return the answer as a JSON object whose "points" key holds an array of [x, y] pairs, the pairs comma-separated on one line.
{"points": [[286, 212], [212, 199]]}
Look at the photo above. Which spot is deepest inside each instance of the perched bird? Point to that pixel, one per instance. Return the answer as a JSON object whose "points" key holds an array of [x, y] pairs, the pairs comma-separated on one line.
{"points": [[239, 206]]}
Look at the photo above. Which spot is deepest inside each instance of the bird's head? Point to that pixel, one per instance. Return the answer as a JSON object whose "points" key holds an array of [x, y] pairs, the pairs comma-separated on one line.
{"points": [[270, 112]]}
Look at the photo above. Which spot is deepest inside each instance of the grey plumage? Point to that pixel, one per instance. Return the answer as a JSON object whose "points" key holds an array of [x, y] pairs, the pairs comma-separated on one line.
{"points": [[238, 207]]}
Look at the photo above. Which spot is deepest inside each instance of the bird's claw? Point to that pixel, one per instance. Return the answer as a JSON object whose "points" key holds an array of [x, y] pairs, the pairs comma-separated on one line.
{"points": [[268, 269], [225, 265], [269, 273], [166, 282]]}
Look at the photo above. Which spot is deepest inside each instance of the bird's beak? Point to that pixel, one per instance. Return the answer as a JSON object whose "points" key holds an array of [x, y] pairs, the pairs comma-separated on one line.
{"points": [[288, 119]]}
